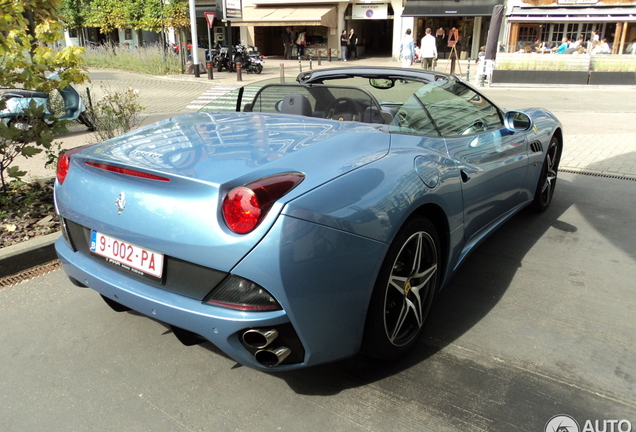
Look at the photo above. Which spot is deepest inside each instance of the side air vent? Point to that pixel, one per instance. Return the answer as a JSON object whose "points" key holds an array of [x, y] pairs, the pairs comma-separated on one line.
{"points": [[535, 147]]}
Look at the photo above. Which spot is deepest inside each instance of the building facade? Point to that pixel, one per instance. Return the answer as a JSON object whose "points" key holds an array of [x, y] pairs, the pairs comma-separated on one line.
{"points": [[552, 20]]}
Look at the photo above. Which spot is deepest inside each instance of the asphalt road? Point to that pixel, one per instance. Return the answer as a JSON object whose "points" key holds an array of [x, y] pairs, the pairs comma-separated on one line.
{"points": [[538, 322]]}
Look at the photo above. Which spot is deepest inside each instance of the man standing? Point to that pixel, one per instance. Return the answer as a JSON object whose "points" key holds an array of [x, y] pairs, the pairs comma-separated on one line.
{"points": [[407, 49], [287, 43], [344, 41], [428, 50], [353, 44]]}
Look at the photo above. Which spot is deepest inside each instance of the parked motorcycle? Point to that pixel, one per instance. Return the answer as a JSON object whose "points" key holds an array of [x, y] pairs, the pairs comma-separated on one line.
{"points": [[249, 58], [255, 59], [222, 60], [17, 101]]}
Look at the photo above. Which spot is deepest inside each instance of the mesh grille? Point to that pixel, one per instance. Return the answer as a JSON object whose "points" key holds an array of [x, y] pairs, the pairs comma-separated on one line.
{"points": [[593, 174], [28, 274]]}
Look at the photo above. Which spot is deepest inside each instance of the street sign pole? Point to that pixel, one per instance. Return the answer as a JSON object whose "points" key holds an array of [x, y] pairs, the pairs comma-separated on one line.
{"points": [[209, 18]]}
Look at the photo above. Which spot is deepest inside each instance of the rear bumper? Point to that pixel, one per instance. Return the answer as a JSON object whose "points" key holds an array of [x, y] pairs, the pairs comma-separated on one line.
{"points": [[222, 327]]}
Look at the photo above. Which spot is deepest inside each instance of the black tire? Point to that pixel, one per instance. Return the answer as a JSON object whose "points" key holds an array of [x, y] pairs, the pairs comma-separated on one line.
{"points": [[403, 292], [259, 68], [85, 119], [219, 68], [548, 178]]}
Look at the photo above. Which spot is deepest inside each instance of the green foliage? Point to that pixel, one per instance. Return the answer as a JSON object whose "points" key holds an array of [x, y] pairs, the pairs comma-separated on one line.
{"points": [[148, 59], [116, 113], [28, 30], [110, 15], [25, 136]]}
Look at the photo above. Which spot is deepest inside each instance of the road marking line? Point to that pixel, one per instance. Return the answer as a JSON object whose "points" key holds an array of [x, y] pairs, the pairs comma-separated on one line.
{"points": [[209, 95]]}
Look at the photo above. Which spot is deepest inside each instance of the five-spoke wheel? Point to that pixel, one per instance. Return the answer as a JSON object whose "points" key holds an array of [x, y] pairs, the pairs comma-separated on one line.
{"points": [[404, 291], [548, 178]]}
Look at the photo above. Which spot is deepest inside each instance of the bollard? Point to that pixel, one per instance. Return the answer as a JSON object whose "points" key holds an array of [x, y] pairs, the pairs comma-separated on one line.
{"points": [[282, 73], [239, 73], [319, 55], [468, 70], [300, 65], [310, 64], [329, 54], [210, 73]]}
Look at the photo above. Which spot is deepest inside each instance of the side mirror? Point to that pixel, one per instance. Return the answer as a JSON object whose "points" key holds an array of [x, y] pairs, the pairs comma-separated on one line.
{"points": [[517, 121]]}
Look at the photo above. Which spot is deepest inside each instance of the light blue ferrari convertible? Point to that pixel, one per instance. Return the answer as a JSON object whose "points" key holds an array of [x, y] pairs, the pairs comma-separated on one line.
{"points": [[293, 224]]}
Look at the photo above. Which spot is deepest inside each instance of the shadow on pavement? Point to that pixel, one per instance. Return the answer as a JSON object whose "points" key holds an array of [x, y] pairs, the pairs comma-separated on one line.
{"points": [[471, 294]]}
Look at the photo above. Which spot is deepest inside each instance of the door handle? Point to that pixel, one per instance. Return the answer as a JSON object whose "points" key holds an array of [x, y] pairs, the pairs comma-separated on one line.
{"points": [[465, 176]]}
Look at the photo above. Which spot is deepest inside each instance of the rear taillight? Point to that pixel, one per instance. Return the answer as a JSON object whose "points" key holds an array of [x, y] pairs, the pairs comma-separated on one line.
{"points": [[64, 162], [245, 207]]}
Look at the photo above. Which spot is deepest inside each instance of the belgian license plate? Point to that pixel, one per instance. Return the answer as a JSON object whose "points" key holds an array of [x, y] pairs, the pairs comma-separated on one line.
{"points": [[127, 255]]}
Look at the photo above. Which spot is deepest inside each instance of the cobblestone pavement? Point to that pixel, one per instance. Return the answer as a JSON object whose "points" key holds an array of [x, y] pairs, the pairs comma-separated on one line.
{"points": [[600, 136]]}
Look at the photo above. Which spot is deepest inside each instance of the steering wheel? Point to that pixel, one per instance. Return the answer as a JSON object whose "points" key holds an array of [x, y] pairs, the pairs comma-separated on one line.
{"points": [[344, 109]]}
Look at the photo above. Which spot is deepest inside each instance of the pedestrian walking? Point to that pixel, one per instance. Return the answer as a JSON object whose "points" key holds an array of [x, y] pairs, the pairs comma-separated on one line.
{"points": [[407, 49], [428, 50], [300, 43], [288, 38]]}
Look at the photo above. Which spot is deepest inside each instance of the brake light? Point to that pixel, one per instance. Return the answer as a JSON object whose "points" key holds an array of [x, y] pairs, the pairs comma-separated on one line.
{"points": [[64, 162], [245, 207], [126, 171]]}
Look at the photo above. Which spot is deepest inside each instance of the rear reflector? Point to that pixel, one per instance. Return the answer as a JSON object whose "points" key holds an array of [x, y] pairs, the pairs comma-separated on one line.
{"points": [[242, 294], [126, 171]]}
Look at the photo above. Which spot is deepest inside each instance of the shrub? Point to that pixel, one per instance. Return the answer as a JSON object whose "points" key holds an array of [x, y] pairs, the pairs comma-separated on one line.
{"points": [[116, 113]]}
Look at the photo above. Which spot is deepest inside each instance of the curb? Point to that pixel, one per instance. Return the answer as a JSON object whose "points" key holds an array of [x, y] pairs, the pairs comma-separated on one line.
{"points": [[31, 253]]}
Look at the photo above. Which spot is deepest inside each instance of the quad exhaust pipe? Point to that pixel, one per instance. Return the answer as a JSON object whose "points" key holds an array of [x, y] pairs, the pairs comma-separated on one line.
{"points": [[272, 357], [261, 339]]}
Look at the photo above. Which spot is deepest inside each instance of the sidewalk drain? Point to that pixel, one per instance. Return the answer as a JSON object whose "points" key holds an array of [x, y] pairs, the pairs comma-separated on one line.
{"points": [[593, 174], [31, 273]]}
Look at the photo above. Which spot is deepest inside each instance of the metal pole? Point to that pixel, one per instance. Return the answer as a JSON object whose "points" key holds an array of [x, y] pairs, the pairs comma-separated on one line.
{"points": [[239, 74], [163, 40], [310, 63], [300, 65], [195, 40], [282, 73], [319, 57]]}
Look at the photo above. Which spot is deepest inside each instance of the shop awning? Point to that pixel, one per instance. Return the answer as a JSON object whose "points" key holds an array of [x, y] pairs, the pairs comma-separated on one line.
{"points": [[315, 15], [572, 14], [436, 8]]}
